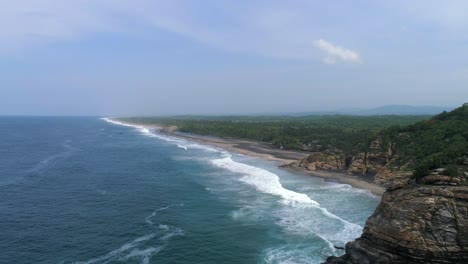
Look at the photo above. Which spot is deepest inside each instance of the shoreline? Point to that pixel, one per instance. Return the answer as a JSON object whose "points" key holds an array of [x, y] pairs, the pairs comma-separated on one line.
{"points": [[267, 152]]}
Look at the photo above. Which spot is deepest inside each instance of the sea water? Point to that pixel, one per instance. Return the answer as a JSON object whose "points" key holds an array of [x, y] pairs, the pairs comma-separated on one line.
{"points": [[91, 190]]}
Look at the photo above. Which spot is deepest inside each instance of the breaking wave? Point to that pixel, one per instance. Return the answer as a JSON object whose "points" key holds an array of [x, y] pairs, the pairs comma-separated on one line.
{"points": [[264, 181]]}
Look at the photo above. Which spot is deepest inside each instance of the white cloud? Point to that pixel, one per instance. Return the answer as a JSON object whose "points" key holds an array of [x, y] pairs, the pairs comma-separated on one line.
{"points": [[336, 53]]}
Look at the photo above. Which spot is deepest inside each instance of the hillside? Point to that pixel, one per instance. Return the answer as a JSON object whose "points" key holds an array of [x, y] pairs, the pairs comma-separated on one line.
{"points": [[402, 110], [440, 143]]}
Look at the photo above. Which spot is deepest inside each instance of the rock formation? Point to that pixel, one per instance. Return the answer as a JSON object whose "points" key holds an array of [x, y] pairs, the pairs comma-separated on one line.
{"points": [[361, 163], [322, 161], [415, 224], [368, 162]]}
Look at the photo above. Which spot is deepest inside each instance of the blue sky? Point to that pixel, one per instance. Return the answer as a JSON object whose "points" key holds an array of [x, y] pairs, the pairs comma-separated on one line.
{"points": [[141, 57]]}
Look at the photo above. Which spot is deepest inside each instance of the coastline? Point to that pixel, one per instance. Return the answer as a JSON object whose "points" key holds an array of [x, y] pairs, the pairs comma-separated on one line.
{"points": [[267, 152]]}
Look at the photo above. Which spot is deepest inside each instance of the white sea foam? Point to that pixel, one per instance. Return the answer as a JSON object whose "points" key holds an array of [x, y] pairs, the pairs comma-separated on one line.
{"points": [[174, 231], [117, 252], [298, 215], [304, 222], [290, 254], [202, 147], [264, 181], [117, 122], [144, 130], [180, 143], [182, 147], [155, 212]]}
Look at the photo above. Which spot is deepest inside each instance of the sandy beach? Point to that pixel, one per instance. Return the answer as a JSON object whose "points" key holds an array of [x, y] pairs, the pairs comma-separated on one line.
{"points": [[268, 152], [265, 151]]}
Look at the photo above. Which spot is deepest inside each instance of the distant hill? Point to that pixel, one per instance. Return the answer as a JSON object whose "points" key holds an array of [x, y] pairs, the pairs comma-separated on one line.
{"points": [[403, 110], [382, 110]]}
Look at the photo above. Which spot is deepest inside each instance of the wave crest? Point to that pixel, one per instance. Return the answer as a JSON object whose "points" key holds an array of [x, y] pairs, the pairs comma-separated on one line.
{"points": [[264, 181]]}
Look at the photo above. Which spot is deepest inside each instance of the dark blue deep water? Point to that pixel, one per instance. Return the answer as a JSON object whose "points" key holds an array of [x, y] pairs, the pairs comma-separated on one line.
{"points": [[84, 190]]}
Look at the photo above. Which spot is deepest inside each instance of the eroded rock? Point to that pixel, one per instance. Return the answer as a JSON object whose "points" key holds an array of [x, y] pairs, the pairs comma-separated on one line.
{"points": [[414, 224]]}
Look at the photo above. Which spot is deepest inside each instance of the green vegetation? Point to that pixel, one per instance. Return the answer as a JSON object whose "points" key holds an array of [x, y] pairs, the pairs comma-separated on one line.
{"points": [[440, 142], [347, 133]]}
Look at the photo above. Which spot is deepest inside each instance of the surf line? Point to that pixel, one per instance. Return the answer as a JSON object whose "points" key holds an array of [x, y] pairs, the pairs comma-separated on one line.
{"points": [[150, 132]]}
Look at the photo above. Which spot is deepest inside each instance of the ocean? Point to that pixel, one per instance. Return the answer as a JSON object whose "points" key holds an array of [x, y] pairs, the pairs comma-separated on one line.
{"points": [[88, 190]]}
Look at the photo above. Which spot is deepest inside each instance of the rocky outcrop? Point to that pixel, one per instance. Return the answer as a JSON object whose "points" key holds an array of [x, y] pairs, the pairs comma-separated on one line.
{"points": [[414, 224], [375, 162], [329, 159], [360, 164], [368, 162]]}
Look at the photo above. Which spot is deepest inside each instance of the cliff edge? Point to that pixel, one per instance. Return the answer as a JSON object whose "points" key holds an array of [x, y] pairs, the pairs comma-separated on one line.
{"points": [[414, 224]]}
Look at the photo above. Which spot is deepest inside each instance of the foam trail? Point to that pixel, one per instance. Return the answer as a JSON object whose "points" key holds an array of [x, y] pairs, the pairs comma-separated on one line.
{"points": [[264, 181], [175, 232], [290, 254], [328, 214], [117, 122], [183, 144], [133, 249], [153, 214], [50, 161], [116, 252], [142, 129]]}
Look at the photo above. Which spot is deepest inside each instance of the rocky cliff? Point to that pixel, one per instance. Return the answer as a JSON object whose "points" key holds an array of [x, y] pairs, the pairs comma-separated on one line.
{"points": [[423, 215], [415, 224], [374, 161], [327, 159]]}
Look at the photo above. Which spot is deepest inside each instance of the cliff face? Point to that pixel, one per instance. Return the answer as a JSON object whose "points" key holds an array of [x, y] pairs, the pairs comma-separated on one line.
{"points": [[362, 163], [414, 224], [368, 162], [327, 160]]}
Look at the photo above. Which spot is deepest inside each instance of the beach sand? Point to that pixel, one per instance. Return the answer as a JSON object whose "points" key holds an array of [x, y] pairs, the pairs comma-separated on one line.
{"points": [[268, 152], [265, 151]]}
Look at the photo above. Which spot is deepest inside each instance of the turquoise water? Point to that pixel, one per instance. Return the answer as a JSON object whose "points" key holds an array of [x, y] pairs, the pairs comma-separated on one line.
{"points": [[83, 190]]}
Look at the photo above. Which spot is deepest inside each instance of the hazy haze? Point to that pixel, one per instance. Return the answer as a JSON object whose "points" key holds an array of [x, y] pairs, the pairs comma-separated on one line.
{"points": [[132, 57]]}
